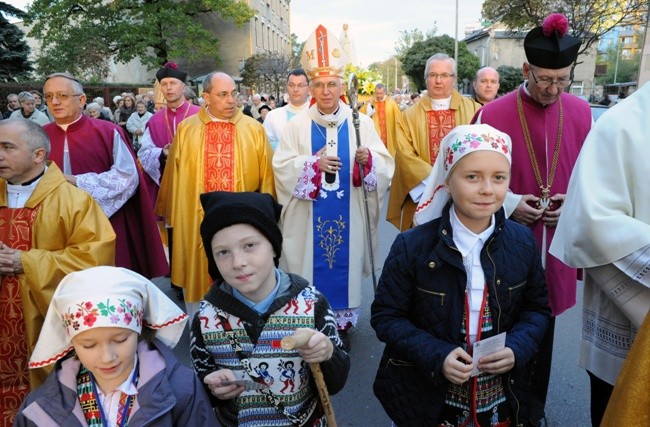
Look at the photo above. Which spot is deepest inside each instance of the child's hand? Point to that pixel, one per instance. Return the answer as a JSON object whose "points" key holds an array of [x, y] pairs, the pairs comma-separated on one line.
{"points": [[497, 363], [457, 366], [213, 381], [318, 349]]}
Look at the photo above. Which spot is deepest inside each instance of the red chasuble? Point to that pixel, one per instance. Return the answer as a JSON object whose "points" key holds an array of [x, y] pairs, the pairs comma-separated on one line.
{"points": [[16, 232], [138, 246], [440, 123]]}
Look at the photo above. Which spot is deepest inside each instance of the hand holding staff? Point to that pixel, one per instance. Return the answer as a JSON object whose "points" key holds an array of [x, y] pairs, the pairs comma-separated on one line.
{"points": [[298, 340]]}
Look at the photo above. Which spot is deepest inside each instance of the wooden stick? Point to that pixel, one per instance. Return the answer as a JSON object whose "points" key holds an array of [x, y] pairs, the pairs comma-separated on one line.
{"points": [[298, 340]]}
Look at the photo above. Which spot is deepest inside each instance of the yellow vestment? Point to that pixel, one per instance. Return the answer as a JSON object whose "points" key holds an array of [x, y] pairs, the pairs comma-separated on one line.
{"points": [[183, 182], [413, 161], [70, 233]]}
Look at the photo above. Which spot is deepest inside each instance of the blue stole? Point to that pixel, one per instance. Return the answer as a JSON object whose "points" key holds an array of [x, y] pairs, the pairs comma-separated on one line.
{"points": [[331, 222]]}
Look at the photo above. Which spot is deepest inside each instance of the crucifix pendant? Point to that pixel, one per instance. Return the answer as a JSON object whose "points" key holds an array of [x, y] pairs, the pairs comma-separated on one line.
{"points": [[545, 201]]}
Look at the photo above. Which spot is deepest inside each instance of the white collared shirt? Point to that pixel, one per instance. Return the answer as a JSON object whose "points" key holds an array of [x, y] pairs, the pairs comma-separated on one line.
{"points": [[470, 245]]}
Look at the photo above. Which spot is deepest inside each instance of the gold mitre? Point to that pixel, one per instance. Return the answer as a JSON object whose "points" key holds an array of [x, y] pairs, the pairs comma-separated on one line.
{"points": [[323, 55]]}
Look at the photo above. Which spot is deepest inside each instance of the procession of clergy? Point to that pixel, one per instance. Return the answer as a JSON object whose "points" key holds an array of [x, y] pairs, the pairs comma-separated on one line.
{"points": [[329, 173]]}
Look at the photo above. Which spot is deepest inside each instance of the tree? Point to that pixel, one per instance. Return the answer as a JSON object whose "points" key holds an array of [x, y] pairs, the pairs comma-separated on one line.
{"points": [[588, 19], [509, 78], [80, 35], [627, 69], [415, 59], [266, 70], [408, 38], [296, 51], [14, 64]]}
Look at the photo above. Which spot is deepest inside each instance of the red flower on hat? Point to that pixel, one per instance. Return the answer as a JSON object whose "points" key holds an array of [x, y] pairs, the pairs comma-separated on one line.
{"points": [[90, 319], [555, 22]]}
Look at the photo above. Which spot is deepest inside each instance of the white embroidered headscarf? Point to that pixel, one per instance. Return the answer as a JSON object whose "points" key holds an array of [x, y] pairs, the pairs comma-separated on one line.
{"points": [[105, 297], [461, 141]]}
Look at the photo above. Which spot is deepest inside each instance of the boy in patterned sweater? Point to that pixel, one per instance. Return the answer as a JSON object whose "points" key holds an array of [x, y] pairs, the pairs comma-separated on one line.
{"points": [[252, 305]]}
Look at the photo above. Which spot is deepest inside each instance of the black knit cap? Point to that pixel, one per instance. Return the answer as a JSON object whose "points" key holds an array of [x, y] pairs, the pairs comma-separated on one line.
{"points": [[549, 46], [223, 209], [170, 69]]}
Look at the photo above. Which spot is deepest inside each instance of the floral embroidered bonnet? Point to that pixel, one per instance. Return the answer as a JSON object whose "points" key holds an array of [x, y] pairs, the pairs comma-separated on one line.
{"points": [[105, 297], [458, 143]]}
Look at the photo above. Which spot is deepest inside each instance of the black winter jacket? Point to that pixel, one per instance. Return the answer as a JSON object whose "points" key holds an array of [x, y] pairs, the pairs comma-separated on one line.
{"points": [[418, 310]]}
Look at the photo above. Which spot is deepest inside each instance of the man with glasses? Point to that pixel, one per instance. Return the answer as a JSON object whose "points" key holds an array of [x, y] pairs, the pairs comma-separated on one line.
{"points": [[548, 127], [318, 180], [419, 132], [276, 120], [217, 149], [94, 156]]}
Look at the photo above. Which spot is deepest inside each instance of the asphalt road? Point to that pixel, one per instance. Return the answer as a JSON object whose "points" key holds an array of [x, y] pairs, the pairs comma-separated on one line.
{"points": [[356, 405]]}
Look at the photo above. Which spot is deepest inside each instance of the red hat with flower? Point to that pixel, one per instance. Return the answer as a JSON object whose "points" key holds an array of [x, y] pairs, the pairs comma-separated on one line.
{"points": [[549, 46]]}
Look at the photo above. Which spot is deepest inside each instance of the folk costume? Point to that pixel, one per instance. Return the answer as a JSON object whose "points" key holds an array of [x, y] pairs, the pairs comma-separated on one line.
{"points": [[97, 154], [546, 142], [160, 131], [60, 229], [208, 155], [276, 120], [443, 287], [323, 220], [419, 132], [227, 321], [605, 228], [159, 390]]}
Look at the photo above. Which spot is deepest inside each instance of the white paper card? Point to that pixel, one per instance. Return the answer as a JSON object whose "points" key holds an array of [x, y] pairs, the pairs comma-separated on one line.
{"points": [[486, 347]]}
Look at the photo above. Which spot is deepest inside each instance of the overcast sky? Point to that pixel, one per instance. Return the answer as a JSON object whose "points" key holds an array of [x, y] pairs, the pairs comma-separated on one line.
{"points": [[375, 26]]}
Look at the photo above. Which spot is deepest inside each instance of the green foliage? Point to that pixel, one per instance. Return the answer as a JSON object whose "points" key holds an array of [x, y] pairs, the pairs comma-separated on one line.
{"points": [[415, 59], [80, 35], [627, 70], [509, 78], [266, 71], [589, 20], [14, 65], [296, 51], [408, 38]]}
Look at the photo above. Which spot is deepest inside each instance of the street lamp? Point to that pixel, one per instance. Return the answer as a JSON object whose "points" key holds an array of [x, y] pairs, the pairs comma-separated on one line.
{"points": [[618, 54]]}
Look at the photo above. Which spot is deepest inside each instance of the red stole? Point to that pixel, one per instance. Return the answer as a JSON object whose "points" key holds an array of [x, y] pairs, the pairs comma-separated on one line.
{"points": [[381, 115], [440, 123], [16, 231], [219, 157]]}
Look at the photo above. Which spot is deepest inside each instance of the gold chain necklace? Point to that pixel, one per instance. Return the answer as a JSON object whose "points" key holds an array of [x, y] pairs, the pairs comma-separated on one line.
{"points": [[545, 202]]}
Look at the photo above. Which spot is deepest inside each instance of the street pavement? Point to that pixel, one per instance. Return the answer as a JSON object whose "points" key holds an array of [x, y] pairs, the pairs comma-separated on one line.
{"points": [[356, 405]]}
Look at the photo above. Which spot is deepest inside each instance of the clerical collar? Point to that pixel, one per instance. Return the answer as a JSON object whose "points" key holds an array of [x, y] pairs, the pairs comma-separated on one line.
{"points": [[216, 119], [31, 181], [173, 110], [329, 117], [65, 126], [440, 104]]}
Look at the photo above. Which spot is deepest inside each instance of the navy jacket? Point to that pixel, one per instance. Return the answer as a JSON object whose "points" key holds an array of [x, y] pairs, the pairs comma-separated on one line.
{"points": [[418, 312]]}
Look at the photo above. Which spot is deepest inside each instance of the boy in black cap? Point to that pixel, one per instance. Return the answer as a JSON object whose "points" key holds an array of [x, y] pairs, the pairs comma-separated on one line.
{"points": [[251, 306]]}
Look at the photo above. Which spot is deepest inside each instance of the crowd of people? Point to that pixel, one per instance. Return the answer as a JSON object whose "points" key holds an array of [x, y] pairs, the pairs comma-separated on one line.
{"points": [[264, 216]]}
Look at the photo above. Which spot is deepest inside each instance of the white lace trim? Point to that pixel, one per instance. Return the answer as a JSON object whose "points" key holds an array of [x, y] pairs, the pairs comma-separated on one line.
{"points": [[305, 185]]}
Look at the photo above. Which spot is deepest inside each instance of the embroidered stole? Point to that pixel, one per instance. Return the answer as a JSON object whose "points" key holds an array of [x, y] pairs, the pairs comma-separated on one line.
{"points": [[381, 115], [331, 216], [219, 157], [89, 405], [439, 123], [15, 231]]}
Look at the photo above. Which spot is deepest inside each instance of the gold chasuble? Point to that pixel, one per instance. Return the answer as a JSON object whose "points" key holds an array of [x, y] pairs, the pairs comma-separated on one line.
{"points": [[16, 232], [208, 156]]}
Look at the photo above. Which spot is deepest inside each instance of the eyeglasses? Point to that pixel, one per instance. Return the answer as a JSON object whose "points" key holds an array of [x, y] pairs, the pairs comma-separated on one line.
{"points": [[49, 97], [294, 86], [225, 95], [443, 76], [546, 82], [329, 85]]}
